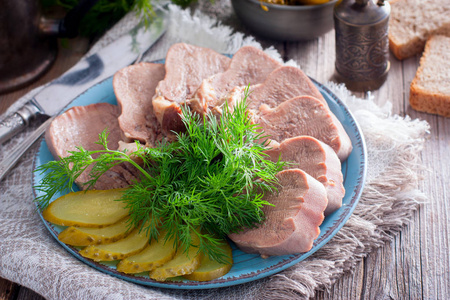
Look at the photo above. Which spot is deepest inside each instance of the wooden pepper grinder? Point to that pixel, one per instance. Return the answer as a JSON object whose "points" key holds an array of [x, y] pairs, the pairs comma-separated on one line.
{"points": [[362, 45]]}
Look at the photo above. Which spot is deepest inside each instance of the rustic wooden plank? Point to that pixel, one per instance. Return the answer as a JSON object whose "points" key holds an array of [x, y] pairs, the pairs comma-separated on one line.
{"points": [[8, 289], [407, 243], [399, 258], [349, 286], [369, 280], [378, 274], [315, 57], [441, 169], [311, 57], [305, 55], [409, 70], [434, 215], [27, 294], [407, 254], [392, 89], [13, 291], [423, 246], [326, 57]]}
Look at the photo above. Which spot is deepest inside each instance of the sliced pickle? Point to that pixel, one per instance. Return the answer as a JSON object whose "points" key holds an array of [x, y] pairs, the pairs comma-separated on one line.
{"points": [[210, 269], [85, 236], [87, 209], [183, 263], [154, 255], [132, 244]]}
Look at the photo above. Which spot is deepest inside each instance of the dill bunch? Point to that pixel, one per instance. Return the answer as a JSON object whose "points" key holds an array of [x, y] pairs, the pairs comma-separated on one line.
{"points": [[210, 181]]}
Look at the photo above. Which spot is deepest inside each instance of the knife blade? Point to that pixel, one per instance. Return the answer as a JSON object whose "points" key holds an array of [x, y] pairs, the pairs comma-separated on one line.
{"points": [[52, 99]]}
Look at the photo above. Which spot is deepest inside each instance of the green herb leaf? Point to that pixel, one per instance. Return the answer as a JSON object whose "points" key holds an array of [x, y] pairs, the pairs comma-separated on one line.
{"points": [[105, 13], [210, 181]]}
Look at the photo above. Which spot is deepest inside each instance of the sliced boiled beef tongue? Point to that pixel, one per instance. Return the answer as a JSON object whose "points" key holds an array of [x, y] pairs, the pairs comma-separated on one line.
{"points": [[318, 160], [80, 126], [186, 67], [249, 65], [304, 115], [292, 225], [134, 87], [282, 84]]}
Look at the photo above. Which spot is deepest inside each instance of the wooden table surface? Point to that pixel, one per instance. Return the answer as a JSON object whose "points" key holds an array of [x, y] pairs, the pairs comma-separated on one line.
{"points": [[416, 264]]}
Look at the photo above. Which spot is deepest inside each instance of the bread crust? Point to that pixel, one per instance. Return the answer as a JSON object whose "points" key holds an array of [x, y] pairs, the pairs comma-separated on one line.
{"points": [[402, 42], [429, 102], [425, 99], [403, 51]]}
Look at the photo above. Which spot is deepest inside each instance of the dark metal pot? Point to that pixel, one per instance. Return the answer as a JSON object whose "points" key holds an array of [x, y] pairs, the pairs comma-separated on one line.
{"points": [[285, 22], [28, 41]]}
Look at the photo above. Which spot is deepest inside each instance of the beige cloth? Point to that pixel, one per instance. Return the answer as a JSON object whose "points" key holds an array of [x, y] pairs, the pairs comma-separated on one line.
{"points": [[31, 257]]}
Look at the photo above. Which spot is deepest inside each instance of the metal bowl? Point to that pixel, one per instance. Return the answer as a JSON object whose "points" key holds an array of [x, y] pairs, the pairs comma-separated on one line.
{"points": [[285, 22]]}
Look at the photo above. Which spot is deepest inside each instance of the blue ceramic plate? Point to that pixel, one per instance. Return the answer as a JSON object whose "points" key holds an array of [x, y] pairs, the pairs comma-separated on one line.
{"points": [[246, 267]]}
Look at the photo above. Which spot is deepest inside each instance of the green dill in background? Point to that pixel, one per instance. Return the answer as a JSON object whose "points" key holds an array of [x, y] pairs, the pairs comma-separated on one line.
{"points": [[183, 3], [211, 180], [105, 13]]}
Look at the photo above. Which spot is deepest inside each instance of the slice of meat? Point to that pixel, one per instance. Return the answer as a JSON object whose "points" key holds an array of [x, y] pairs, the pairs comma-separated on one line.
{"points": [[318, 160], [186, 67], [282, 84], [304, 115], [80, 126], [292, 225], [249, 65], [134, 87]]}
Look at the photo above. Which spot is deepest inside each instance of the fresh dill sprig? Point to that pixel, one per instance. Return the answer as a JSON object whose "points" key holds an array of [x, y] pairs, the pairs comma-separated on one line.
{"points": [[210, 181]]}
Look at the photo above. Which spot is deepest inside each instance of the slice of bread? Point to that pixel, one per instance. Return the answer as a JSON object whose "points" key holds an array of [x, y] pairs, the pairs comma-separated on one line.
{"points": [[412, 22], [430, 88]]}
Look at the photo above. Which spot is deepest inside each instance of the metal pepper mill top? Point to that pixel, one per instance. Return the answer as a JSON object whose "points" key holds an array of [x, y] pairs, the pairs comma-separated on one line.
{"points": [[362, 45]]}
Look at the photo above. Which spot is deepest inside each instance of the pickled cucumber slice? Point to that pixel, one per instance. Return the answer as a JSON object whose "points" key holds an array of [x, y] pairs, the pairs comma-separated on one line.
{"points": [[132, 244], [85, 236], [210, 269], [154, 255], [183, 263], [87, 209]]}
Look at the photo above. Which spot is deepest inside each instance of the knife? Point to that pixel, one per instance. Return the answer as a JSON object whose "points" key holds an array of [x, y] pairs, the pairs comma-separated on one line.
{"points": [[52, 99]]}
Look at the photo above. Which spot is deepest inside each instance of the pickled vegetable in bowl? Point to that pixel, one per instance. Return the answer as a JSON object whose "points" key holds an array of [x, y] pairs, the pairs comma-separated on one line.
{"points": [[295, 2], [286, 20]]}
